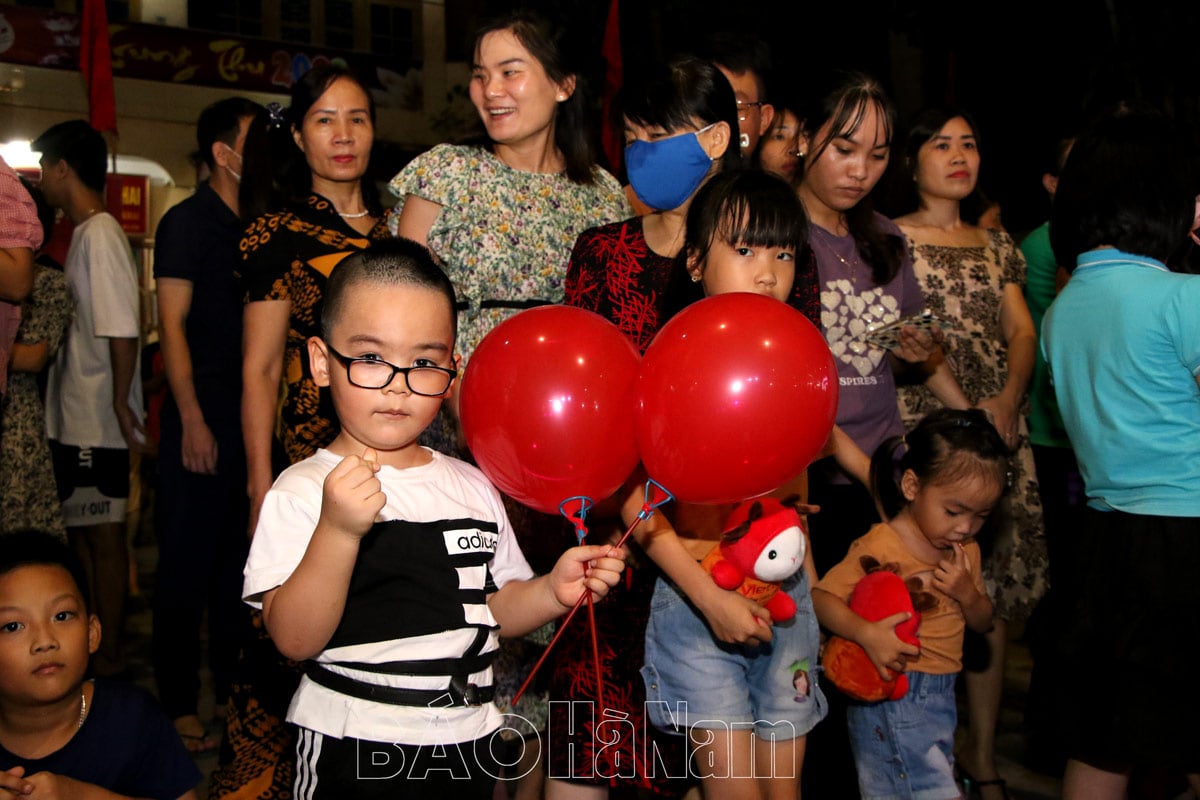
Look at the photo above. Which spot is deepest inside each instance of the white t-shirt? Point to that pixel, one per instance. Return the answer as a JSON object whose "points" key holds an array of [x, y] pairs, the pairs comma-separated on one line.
{"points": [[102, 277], [413, 595]]}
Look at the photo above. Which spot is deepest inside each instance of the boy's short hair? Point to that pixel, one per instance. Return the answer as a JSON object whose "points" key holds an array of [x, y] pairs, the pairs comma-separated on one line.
{"points": [[392, 262], [81, 146], [220, 122], [740, 53], [30, 547]]}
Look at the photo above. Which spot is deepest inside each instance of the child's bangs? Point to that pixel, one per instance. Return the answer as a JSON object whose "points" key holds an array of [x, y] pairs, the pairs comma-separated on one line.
{"points": [[760, 219]]}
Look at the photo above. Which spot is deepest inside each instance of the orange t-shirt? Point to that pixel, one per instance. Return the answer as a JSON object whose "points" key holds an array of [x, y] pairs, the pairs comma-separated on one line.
{"points": [[942, 626]]}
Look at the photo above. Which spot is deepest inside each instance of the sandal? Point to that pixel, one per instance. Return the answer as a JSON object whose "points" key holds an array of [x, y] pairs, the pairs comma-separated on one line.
{"points": [[198, 745], [974, 788], [195, 743]]}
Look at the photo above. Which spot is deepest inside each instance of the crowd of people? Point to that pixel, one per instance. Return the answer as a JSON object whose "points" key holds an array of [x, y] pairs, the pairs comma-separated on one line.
{"points": [[1014, 413]]}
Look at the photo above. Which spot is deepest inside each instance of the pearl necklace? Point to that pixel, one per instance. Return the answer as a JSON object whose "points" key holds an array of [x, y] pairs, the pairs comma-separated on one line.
{"points": [[359, 215], [82, 708]]}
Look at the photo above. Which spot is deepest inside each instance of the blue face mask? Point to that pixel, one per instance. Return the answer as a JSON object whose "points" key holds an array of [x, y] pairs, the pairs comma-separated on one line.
{"points": [[665, 173]]}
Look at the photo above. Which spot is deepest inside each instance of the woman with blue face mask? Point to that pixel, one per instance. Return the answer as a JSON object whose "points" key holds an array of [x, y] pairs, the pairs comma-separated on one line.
{"points": [[680, 128]]}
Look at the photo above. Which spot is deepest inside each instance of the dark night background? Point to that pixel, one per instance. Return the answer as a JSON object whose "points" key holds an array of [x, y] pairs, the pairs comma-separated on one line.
{"points": [[1026, 70]]}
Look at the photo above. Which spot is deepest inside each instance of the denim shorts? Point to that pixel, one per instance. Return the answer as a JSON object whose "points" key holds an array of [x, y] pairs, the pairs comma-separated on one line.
{"points": [[905, 748], [692, 680]]}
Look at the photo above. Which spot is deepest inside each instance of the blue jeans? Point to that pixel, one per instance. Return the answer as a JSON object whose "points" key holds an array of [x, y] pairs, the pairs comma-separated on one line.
{"points": [[905, 748], [692, 680]]}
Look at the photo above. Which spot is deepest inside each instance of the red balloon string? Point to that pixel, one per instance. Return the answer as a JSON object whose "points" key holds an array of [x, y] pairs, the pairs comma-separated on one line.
{"points": [[656, 496], [596, 652]]}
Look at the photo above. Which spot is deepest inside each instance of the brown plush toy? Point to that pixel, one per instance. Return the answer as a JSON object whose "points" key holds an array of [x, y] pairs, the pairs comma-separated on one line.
{"points": [[879, 594]]}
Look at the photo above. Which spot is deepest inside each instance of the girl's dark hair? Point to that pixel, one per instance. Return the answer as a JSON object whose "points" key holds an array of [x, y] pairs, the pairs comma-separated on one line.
{"points": [[840, 99], [926, 124], [30, 547], [676, 95], [738, 205], [1130, 182], [547, 42], [747, 206], [945, 446], [274, 170]]}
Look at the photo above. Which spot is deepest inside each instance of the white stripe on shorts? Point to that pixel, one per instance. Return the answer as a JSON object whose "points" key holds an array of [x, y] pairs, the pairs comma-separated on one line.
{"points": [[308, 753]]}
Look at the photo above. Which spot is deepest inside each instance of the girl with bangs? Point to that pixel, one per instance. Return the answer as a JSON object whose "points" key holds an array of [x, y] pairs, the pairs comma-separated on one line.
{"points": [[750, 695], [743, 231], [680, 122]]}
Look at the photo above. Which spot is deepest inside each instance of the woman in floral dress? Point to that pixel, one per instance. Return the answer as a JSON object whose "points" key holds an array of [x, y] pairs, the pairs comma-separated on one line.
{"points": [[973, 279], [28, 496], [318, 151], [502, 216]]}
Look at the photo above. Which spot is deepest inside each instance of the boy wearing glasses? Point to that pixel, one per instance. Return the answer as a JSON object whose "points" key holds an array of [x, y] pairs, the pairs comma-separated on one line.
{"points": [[390, 569]]}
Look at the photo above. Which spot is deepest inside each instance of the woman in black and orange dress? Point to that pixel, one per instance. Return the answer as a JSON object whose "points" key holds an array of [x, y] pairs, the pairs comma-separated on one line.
{"points": [[328, 210]]}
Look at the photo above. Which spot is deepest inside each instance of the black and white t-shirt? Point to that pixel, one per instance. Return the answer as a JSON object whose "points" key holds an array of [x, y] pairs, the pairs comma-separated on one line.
{"points": [[418, 593]]}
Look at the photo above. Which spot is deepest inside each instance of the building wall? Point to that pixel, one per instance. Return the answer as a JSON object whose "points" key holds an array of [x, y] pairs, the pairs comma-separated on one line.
{"points": [[156, 120]]}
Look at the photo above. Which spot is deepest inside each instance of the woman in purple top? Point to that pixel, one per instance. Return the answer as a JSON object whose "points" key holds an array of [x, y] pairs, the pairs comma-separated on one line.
{"points": [[866, 279]]}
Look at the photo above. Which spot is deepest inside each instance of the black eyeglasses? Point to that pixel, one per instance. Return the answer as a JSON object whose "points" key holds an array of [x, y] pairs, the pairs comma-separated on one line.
{"points": [[375, 373], [743, 103]]}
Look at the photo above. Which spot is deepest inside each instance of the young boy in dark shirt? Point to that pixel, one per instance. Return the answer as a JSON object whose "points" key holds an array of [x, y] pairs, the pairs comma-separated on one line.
{"points": [[62, 736]]}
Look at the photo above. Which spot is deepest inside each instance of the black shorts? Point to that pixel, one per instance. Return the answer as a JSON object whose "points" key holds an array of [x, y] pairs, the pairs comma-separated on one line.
{"points": [[356, 769], [93, 483], [1127, 631]]}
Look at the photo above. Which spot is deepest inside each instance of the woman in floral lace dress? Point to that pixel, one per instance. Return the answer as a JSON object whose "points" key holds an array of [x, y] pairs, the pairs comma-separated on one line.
{"points": [[28, 496], [973, 279], [501, 215]]}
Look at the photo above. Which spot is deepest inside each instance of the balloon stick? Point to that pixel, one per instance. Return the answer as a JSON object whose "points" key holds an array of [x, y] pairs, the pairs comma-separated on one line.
{"points": [[656, 496]]}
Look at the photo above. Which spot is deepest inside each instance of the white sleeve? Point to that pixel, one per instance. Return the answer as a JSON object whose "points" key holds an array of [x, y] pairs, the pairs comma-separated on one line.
{"points": [[508, 564], [285, 527], [113, 280]]}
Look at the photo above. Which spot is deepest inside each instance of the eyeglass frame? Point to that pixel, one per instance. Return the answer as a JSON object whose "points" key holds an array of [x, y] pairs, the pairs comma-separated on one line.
{"points": [[741, 103], [346, 361]]}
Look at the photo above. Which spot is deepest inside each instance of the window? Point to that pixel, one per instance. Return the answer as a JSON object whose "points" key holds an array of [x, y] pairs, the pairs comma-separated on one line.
{"points": [[339, 24], [387, 29], [227, 16], [295, 21], [118, 10], [394, 29]]}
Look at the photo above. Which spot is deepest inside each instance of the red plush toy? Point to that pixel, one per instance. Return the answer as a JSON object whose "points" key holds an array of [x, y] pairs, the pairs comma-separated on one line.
{"points": [[763, 545], [879, 594]]}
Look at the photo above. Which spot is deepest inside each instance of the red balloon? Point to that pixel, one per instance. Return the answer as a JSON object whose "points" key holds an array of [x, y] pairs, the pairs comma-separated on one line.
{"points": [[548, 406], [736, 395]]}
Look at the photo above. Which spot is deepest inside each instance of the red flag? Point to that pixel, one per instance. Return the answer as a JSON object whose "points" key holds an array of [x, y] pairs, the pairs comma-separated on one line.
{"points": [[611, 50], [95, 62]]}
